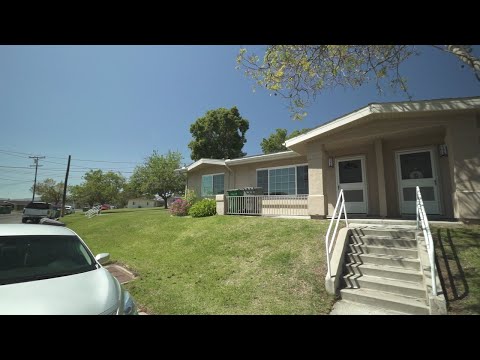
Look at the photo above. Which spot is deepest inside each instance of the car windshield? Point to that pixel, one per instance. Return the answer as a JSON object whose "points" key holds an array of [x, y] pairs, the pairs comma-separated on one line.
{"points": [[32, 257]]}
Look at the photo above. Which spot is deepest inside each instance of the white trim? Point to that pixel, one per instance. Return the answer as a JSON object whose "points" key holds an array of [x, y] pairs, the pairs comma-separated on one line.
{"points": [[266, 157], [205, 161], [246, 160], [435, 174], [281, 167], [330, 126], [363, 162], [397, 107]]}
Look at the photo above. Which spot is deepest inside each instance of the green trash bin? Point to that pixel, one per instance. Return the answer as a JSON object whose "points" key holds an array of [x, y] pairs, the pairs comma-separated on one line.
{"points": [[235, 192], [5, 209]]}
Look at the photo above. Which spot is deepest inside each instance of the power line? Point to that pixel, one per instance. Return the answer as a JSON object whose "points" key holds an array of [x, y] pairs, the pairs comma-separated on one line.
{"points": [[64, 158], [105, 161]]}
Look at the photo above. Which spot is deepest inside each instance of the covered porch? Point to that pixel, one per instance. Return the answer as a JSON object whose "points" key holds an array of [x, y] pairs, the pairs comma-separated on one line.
{"points": [[378, 161]]}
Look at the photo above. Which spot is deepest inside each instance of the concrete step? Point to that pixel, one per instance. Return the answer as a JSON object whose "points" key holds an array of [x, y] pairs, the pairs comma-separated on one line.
{"points": [[395, 302], [411, 253], [385, 272], [388, 260], [384, 231], [386, 285], [383, 241], [383, 222]]}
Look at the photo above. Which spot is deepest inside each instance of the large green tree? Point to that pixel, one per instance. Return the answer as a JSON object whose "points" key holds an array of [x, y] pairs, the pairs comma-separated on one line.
{"points": [[274, 143], [98, 188], [220, 134], [50, 191], [300, 72], [157, 176]]}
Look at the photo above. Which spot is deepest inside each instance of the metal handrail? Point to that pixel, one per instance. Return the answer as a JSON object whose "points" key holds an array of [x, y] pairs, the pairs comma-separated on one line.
{"points": [[329, 243], [423, 220]]}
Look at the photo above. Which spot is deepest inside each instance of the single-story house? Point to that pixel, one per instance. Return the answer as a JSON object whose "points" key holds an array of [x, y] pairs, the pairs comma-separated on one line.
{"points": [[19, 204], [144, 203], [377, 154]]}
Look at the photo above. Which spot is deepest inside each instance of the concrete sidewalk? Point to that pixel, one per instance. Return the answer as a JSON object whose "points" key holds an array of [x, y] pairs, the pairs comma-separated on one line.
{"points": [[343, 307]]}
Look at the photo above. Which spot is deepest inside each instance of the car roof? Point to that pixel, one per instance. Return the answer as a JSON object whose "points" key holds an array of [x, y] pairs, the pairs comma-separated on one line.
{"points": [[33, 229]]}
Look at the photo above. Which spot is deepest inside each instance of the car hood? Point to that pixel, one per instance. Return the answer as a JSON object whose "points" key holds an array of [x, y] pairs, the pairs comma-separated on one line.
{"points": [[89, 293]]}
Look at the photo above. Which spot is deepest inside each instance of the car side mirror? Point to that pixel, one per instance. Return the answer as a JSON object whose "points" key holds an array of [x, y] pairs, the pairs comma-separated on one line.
{"points": [[103, 258]]}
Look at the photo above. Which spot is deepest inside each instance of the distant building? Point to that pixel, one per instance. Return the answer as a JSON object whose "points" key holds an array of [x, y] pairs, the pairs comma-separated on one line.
{"points": [[18, 204], [144, 203]]}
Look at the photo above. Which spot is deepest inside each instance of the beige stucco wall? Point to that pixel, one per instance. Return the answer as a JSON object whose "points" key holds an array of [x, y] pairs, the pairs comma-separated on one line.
{"points": [[402, 134], [463, 141], [194, 178], [458, 173]]}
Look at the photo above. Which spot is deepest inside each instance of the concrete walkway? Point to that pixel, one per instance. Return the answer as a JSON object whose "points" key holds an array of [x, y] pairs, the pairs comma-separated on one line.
{"points": [[343, 307]]}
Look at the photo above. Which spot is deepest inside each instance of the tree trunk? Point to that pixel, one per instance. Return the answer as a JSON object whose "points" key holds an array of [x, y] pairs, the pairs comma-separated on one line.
{"points": [[165, 201]]}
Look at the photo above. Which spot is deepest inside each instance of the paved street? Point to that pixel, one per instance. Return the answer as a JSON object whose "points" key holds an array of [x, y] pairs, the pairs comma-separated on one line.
{"points": [[13, 218]]}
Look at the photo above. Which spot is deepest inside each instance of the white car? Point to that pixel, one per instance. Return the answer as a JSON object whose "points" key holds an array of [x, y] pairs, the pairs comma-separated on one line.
{"points": [[47, 269], [69, 209]]}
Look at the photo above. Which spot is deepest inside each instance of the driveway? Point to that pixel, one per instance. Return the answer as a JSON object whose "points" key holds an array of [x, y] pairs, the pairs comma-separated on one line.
{"points": [[13, 218]]}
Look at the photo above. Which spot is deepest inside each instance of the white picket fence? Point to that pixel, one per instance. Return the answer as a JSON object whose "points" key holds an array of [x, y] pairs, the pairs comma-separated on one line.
{"points": [[268, 205], [93, 211]]}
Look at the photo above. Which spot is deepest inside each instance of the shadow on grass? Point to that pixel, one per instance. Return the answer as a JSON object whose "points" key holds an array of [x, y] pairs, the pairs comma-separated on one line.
{"points": [[453, 276]]}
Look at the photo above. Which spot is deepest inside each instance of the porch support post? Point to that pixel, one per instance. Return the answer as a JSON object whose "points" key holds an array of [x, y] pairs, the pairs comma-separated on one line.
{"points": [[382, 193], [317, 202], [221, 204], [449, 140]]}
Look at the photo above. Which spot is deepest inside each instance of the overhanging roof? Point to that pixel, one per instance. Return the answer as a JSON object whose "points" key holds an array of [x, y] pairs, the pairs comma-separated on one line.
{"points": [[259, 158], [240, 161], [205, 162], [385, 108]]}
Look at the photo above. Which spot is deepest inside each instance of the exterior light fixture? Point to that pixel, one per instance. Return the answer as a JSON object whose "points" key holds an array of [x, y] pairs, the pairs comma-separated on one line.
{"points": [[442, 150], [330, 162]]}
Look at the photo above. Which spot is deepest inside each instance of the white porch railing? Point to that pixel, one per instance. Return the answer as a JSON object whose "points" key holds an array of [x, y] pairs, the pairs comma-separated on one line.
{"points": [[268, 205], [93, 211], [330, 241], [423, 221]]}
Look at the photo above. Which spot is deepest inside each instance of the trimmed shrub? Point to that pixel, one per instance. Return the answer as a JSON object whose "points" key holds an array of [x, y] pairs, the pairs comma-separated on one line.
{"points": [[179, 207], [191, 197], [205, 207]]}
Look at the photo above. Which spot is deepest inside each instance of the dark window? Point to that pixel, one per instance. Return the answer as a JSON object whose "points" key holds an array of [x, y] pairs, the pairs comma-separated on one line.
{"points": [[350, 171], [302, 179], [416, 166], [38, 205], [36, 257], [213, 185], [262, 180], [282, 181]]}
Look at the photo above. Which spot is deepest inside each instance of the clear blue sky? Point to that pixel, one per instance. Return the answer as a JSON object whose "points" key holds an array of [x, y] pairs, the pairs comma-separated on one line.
{"points": [[119, 103]]}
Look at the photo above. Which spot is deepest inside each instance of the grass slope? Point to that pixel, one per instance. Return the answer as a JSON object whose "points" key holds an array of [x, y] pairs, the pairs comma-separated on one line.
{"points": [[214, 265]]}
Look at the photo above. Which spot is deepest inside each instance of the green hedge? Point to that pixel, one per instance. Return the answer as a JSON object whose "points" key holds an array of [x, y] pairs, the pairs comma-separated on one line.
{"points": [[205, 207]]}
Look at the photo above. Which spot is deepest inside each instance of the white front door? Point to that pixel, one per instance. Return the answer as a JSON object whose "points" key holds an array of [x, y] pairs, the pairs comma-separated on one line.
{"points": [[351, 178], [417, 168]]}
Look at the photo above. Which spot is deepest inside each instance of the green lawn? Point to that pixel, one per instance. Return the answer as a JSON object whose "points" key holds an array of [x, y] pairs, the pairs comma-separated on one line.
{"points": [[458, 256], [214, 265]]}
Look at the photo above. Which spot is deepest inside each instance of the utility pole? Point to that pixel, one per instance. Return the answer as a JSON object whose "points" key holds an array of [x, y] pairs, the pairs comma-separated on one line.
{"points": [[35, 160], [65, 187]]}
